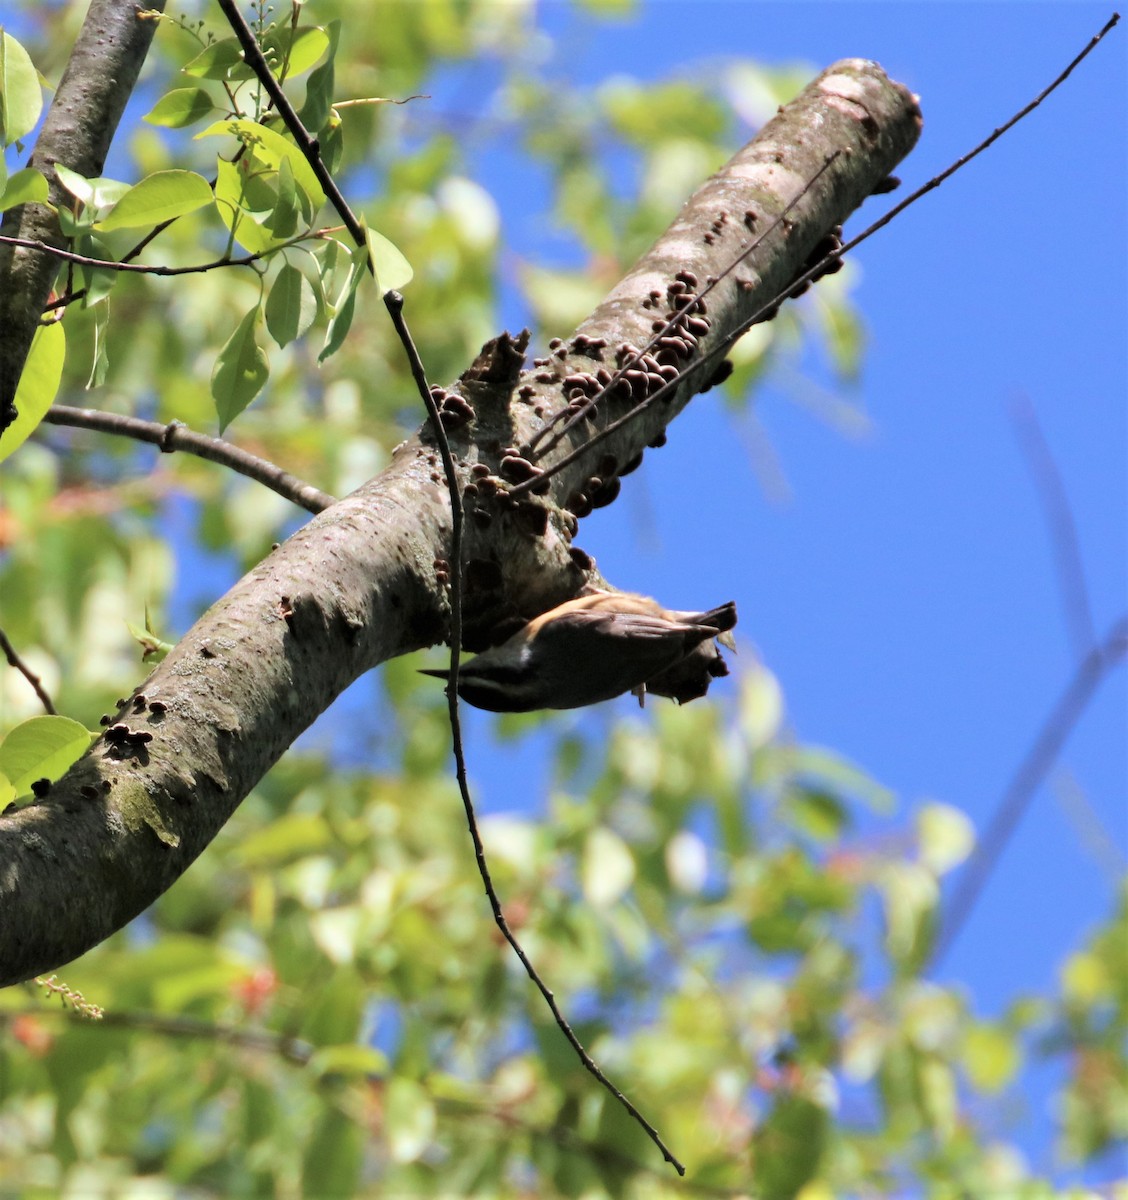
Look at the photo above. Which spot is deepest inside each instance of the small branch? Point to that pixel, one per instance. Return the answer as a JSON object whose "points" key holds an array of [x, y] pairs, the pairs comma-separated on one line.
{"points": [[290, 1048], [177, 436], [1030, 773], [1062, 527], [394, 303], [14, 660], [110, 264], [307, 143], [678, 319]]}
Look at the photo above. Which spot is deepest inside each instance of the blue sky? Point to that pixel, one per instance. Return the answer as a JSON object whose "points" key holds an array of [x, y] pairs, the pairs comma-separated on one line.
{"points": [[905, 594]]}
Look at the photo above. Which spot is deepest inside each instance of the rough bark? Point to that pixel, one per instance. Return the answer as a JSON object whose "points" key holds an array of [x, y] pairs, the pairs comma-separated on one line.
{"points": [[80, 124], [363, 581]]}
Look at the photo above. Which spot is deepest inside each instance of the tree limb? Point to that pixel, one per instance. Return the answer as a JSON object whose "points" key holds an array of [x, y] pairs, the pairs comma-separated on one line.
{"points": [[364, 580]]}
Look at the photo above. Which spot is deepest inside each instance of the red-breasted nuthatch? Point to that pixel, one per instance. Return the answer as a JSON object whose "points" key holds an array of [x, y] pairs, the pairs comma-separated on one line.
{"points": [[595, 648]]}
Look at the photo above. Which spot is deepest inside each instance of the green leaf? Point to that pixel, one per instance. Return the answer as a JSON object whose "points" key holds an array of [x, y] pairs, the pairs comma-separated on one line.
{"points": [[296, 50], [42, 748], [348, 1059], [333, 1157], [21, 97], [218, 61], [101, 360], [344, 305], [334, 1013], [159, 197], [318, 105], [393, 271], [991, 1056], [235, 197], [38, 385], [269, 148], [28, 186], [291, 305], [240, 370], [180, 107], [946, 837], [283, 221], [94, 193], [607, 869], [409, 1117], [98, 281]]}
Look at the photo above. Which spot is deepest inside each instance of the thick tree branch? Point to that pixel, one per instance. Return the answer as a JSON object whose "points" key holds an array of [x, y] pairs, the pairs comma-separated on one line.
{"points": [[77, 131], [364, 581]]}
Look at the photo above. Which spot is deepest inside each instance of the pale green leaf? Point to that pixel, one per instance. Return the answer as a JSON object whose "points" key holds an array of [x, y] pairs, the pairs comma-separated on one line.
{"points": [[295, 51], [180, 107], [162, 196], [991, 1057], [946, 837], [607, 868], [317, 109], [283, 840], [96, 193], [41, 748], [344, 305], [269, 147], [38, 385], [393, 271], [333, 1155], [28, 186], [291, 305], [241, 369], [283, 221], [21, 97], [409, 1119], [761, 706], [220, 60], [348, 1059]]}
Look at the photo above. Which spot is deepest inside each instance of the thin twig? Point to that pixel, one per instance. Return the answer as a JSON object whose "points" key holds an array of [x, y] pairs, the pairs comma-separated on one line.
{"points": [[292, 1049], [1030, 773], [818, 269], [177, 436], [1060, 523], [678, 319], [306, 142], [395, 307], [393, 301], [14, 660], [110, 264]]}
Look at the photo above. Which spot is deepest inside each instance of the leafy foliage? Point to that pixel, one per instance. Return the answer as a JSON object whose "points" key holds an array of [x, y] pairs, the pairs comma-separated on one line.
{"points": [[320, 1006]]}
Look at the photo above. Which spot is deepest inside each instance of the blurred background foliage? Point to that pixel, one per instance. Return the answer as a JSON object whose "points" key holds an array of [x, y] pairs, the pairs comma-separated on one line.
{"points": [[321, 1006]]}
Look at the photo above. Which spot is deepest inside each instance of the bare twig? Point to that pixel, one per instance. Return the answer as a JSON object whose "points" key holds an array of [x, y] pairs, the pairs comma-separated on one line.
{"points": [[1059, 521], [177, 436], [307, 143], [393, 301], [109, 264], [14, 660], [817, 269], [678, 319], [1030, 773]]}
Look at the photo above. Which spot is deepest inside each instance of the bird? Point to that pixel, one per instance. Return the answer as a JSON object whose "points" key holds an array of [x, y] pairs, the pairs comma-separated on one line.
{"points": [[594, 648]]}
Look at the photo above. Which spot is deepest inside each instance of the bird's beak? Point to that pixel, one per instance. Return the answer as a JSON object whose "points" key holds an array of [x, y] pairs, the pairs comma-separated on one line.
{"points": [[443, 674]]}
